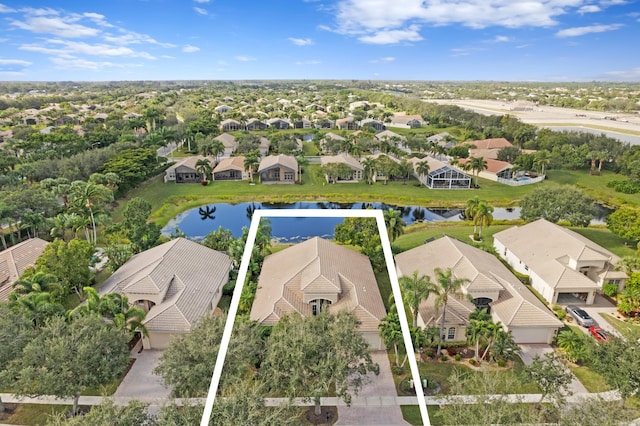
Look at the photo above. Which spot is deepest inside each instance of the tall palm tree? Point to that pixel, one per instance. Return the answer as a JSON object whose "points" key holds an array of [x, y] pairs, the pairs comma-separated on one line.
{"points": [[448, 285], [415, 289], [395, 223], [391, 333], [476, 330], [482, 216], [423, 170], [38, 306], [251, 160], [492, 332], [369, 165], [470, 210], [217, 149], [84, 196], [203, 166], [478, 164], [542, 160]]}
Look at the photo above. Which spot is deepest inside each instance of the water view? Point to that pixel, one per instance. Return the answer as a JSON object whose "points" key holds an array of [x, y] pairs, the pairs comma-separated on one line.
{"points": [[198, 222]]}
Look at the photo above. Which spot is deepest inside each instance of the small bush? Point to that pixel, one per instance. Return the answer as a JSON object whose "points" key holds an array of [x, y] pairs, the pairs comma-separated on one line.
{"points": [[451, 351], [560, 313], [610, 289], [443, 358], [501, 363], [458, 357], [397, 370], [429, 353], [472, 361]]}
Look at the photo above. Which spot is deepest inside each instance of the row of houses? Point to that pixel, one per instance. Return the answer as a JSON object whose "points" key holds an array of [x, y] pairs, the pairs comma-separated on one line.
{"points": [[179, 282], [346, 123]]}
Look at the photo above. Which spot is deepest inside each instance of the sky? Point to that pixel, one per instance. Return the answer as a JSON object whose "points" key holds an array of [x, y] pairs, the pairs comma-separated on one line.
{"points": [[497, 40]]}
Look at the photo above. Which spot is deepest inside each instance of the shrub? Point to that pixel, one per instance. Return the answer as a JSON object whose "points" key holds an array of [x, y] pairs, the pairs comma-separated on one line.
{"points": [[458, 357], [560, 313], [472, 361], [397, 370], [501, 363], [451, 351], [429, 353], [443, 358], [610, 289]]}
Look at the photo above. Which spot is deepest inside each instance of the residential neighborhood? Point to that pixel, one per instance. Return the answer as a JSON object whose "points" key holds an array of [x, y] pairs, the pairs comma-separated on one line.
{"points": [[533, 228]]}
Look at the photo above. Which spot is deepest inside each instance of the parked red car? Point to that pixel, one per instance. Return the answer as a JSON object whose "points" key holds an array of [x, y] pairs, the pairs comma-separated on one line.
{"points": [[599, 334]]}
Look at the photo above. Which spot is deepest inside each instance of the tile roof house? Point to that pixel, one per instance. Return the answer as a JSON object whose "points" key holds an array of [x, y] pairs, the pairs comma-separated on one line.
{"points": [[347, 123], [315, 275], [563, 266], [494, 143], [343, 158], [231, 168], [278, 169], [177, 283], [14, 261], [405, 121], [184, 171], [491, 285], [256, 124], [229, 142], [495, 170], [230, 124]]}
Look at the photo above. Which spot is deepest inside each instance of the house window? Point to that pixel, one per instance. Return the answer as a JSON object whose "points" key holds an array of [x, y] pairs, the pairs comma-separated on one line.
{"points": [[526, 268], [451, 334], [616, 282], [288, 175], [318, 305]]}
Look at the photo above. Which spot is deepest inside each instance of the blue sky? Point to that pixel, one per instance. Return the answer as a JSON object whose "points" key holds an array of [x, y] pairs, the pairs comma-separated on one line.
{"points": [[532, 40]]}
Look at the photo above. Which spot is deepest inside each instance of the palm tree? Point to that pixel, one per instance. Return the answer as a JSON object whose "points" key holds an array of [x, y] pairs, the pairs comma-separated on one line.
{"points": [[35, 282], [84, 196], [482, 217], [394, 222], [476, 330], [415, 289], [492, 331], [369, 165], [137, 123], [470, 210], [203, 166], [423, 170], [251, 160], [391, 333], [405, 169], [38, 306], [448, 286], [217, 149], [542, 160], [478, 164], [504, 347]]}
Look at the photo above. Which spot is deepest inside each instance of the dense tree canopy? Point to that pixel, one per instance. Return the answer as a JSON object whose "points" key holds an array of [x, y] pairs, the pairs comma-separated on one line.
{"points": [[558, 203]]}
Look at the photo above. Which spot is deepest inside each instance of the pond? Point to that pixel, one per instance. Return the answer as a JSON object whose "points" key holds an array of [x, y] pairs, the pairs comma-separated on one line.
{"points": [[198, 222]]}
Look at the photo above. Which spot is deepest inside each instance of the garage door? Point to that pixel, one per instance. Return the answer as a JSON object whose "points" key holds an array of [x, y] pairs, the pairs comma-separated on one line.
{"points": [[532, 334]]}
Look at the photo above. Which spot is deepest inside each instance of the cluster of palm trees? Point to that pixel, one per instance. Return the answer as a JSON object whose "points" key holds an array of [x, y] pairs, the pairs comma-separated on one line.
{"points": [[480, 213], [417, 288]]}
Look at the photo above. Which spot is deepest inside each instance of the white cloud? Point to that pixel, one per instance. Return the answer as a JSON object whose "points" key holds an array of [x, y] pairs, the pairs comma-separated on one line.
{"points": [[385, 59], [392, 36], [579, 31], [501, 39], [131, 37], [200, 11], [523, 46], [67, 49], [190, 49], [56, 25], [202, 1], [309, 62], [243, 58], [378, 21], [13, 66], [6, 9], [14, 62], [465, 51], [589, 8], [84, 64], [301, 41], [626, 75]]}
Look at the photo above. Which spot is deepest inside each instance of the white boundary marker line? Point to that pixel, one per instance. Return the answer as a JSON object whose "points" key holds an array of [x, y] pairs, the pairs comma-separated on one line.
{"points": [[242, 274]]}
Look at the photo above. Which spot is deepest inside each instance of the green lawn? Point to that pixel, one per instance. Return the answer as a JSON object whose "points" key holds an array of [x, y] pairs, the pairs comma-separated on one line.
{"points": [[591, 380], [624, 328], [601, 235], [35, 414]]}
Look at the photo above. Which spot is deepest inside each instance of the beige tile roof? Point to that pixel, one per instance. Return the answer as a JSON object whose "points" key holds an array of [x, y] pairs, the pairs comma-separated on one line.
{"points": [[287, 161], [231, 163], [333, 136], [493, 166], [229, 141], [181, 277], [495, 143], [342, 158], [388, 134], [516, 304], [547, 248], [14, 261], [190, 162], [314, 269]]}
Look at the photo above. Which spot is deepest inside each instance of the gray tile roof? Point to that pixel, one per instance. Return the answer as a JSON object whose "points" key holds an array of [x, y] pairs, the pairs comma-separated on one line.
{"points": [[270, 161], [316, 269], [181, 277], [342, 158]]}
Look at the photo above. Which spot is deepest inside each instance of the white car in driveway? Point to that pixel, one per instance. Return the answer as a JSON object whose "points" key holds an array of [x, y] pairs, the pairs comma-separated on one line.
{"points": [[582, 317]]}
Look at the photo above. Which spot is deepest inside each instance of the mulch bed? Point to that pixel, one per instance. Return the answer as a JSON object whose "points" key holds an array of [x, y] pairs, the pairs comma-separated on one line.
{"points": [[328, 416], [8, 410]]}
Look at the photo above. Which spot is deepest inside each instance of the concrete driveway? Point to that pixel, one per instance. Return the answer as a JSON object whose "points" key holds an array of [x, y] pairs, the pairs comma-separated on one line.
{"points": [[380, 386], [530, 351], [140, 382], [601, 306]]}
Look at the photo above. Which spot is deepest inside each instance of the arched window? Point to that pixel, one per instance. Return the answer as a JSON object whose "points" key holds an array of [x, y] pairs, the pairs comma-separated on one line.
{"points": [[318, 305], [482, 303], [452, 333]]}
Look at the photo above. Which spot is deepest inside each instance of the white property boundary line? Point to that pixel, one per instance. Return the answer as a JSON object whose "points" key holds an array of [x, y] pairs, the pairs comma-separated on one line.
{"points": [[242, 274]]}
